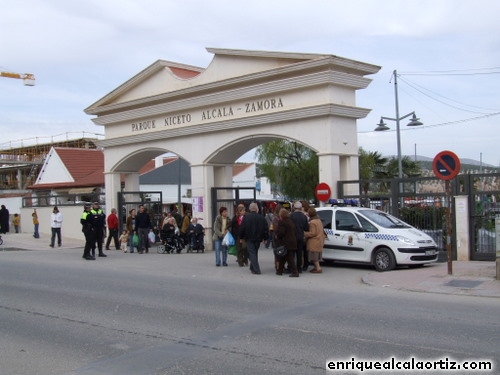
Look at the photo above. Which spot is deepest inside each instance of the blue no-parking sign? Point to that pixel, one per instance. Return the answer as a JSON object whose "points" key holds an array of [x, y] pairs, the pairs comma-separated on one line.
{"points": [[446, 165]]}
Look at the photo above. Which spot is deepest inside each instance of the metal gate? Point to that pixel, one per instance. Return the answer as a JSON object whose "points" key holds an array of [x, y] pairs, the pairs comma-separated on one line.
{"points": [[152, 201], [230, 197], [423, 203], [483, 191]]}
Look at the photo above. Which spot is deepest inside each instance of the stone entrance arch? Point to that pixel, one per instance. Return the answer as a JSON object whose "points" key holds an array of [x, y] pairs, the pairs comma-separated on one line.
{"points": [[210, 117]]}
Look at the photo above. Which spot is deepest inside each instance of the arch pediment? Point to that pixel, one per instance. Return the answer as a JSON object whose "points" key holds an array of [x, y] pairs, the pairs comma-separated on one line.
{"points": [[167, 81]]}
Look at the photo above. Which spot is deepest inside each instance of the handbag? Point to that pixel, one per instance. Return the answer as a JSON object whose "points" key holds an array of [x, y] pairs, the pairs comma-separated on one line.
{"points": [[280, 251]]}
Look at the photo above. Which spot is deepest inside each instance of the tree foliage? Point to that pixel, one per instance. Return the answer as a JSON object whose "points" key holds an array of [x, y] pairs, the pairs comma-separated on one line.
{"points": [[293, 171], [291, 167], [410, 168], [371, 164]]}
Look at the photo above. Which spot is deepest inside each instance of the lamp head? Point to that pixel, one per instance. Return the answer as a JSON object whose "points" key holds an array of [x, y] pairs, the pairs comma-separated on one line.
{"points": [[414, 121], [381, 126]]}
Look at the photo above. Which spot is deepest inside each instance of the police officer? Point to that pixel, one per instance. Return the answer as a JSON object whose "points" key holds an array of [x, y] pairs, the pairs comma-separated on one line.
{"points": [[88, 231], [99, 227]]}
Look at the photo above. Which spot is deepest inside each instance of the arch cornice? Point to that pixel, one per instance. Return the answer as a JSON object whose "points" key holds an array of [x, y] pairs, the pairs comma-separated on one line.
{"points": [[293, 115]]}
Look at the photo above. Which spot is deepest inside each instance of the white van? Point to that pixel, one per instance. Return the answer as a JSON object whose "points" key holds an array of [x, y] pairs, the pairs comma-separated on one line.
{"points": [[364, 235]]}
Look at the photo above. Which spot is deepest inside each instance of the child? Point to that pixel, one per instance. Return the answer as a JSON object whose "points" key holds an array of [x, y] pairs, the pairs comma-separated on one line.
{"points": [[15, 222], [35, 223], [124, 240]]}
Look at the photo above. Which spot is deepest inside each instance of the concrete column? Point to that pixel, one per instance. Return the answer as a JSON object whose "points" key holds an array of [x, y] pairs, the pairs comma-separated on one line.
{"points": [[202, 180], [132, 182], [113, 186], [329, 171], [462, 227]]}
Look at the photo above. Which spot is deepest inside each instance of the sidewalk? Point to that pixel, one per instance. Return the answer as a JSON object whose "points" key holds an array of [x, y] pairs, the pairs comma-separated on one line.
{"points": [[26, 241], [468, 278]]}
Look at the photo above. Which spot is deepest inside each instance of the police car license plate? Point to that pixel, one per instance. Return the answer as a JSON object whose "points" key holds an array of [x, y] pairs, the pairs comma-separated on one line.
{"points": [[430, 252]]}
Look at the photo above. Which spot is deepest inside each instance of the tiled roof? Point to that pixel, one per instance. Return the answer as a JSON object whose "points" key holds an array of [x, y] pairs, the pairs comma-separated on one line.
{"points": [[151, 165], [240, 167], [85, 165], [184, 73]]}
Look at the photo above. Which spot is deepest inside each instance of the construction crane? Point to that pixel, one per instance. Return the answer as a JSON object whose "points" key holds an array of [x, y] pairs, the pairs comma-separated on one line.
{"points": [[28, 79]]}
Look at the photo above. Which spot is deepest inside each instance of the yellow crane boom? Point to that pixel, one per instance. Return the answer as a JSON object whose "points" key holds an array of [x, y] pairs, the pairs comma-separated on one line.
{"points": [[28, 79]]}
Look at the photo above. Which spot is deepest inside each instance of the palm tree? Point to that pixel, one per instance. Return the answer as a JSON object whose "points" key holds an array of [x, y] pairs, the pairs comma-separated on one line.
{"points": [[411, 168], [371, 165]]}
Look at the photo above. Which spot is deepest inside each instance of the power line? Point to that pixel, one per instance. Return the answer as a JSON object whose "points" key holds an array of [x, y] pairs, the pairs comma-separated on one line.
{"points": [[420, 89], [463, 72]]}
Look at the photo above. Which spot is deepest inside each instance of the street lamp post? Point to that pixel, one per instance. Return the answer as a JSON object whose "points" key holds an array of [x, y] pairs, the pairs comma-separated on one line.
{"points": [[382, 126]]}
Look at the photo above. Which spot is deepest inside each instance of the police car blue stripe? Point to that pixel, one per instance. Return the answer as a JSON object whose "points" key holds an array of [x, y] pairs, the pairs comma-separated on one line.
{"points": [[380, 236]]}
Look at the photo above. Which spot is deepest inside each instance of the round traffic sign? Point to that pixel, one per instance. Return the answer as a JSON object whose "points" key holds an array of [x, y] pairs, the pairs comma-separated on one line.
{"points": [[322, 192], [446, 165]]}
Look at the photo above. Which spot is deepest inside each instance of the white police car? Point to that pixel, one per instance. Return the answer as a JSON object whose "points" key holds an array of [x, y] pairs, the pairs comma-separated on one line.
{"points": [[364, 235]]}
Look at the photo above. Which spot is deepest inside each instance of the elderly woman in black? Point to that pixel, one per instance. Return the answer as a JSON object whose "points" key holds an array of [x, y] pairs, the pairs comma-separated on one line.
{"points": [[284, 234]]}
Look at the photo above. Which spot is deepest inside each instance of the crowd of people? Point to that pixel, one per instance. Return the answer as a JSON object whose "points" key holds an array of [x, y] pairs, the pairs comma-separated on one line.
{"points": [[140, 233], [300, 232]]}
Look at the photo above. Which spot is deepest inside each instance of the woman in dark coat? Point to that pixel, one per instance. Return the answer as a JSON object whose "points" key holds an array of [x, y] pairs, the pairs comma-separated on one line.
{"points": [[4, 220], [284, 234]]}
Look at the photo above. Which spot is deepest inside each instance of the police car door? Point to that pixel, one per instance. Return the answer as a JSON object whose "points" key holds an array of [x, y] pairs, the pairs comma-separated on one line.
{"points": [[348, 237]]}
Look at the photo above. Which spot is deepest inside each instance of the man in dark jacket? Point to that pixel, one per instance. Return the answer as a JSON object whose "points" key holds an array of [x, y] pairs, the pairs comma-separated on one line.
{"points": [[142, 227], [301, 225], [253, 231]]}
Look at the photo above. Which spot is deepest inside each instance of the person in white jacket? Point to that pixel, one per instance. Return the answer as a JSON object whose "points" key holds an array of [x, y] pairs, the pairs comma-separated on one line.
{"points": [[56, 219]]}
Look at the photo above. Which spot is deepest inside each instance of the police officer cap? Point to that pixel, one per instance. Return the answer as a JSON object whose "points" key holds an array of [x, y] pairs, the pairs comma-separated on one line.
{"points": [[86, 205], [96, 203]]}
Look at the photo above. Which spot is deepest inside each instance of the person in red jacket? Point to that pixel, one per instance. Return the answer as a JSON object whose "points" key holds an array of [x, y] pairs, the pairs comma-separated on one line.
{"points": [[112, 221]]}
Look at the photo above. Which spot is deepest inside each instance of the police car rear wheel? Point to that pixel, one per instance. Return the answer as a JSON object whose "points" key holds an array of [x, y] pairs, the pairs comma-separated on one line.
{"points": [[384, 260]]}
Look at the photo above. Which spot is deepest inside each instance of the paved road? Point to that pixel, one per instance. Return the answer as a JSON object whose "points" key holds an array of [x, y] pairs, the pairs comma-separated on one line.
{"points": [[179, 314], [467, 278]]}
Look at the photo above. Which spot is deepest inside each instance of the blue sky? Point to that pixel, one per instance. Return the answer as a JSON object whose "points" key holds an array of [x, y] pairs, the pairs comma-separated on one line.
{"points": [[447, 53]]}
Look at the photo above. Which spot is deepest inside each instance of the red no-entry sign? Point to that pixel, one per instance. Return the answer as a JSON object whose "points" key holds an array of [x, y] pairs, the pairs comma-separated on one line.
{"points": [[446, 165], [322, 192]]}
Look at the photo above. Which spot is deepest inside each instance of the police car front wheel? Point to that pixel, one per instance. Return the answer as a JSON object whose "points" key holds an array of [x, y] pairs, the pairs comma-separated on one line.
{"points": [[384, 260]]}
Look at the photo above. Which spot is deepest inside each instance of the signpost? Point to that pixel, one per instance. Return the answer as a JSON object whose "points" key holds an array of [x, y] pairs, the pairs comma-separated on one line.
{"points": [[322, 192], [446, 166]]}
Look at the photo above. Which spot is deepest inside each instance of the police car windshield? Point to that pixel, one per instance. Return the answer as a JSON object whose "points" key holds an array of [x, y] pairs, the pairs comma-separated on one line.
{"points": [[383, 219]]}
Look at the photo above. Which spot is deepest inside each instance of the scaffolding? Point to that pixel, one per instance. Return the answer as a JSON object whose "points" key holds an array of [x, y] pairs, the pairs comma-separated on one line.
{"points": [[19, 166]]}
